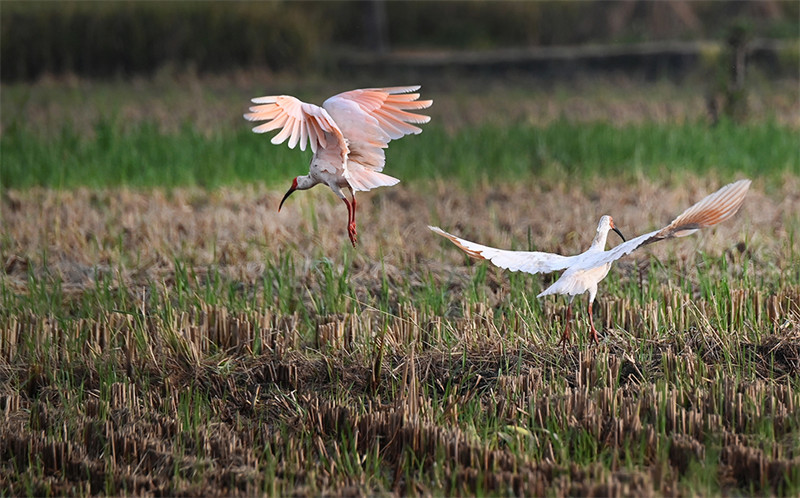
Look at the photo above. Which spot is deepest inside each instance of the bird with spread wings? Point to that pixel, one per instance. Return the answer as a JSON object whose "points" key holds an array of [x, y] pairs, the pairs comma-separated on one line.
{"points": [[347, 135], [584, 271]]}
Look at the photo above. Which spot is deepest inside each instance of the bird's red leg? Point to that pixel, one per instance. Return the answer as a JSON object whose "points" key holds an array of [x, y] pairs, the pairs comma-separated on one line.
{"points": [[591, 324], [350, 227], [565, 335]]}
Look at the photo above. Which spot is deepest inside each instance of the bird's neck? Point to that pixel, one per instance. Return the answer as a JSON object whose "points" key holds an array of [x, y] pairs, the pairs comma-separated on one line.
{"points": [[599, 242], [305, 182]]}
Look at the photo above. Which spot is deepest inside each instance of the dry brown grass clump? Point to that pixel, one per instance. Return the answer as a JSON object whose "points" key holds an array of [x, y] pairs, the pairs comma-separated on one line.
{"points": [[215, 103], [137, 236], [178, 423]]}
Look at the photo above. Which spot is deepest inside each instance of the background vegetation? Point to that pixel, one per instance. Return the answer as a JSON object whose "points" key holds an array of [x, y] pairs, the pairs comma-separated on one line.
{"points": [[190, 132], [234, 157], [128, 38]]}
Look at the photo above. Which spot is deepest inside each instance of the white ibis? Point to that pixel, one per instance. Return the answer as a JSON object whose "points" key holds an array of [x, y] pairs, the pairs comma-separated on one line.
{"points": [[584, 271], [347, 136]]}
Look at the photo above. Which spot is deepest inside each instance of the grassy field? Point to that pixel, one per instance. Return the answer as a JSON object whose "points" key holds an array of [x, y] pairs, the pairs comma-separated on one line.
{"points": [[163, 330], [182, 133], [145, 157]]}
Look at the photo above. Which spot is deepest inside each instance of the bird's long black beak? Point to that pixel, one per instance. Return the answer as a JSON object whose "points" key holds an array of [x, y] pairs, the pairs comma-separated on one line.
{"points": [[618, 233], [286, 197]]}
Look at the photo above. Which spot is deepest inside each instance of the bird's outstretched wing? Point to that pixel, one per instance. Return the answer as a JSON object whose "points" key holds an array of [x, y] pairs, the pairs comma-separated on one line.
{"points": [[301, 123], [714, 208], [389, 106], [371, 117], [525, 261]]}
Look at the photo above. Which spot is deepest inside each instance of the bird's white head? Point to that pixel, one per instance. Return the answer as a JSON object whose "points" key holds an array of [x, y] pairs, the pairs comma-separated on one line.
{"points": [[606, 224], [299, 183]]}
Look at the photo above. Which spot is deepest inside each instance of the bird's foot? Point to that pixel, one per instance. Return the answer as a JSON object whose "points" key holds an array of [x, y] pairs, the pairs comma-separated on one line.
{"points": [[564, 341], [594, 337], [351, 231]]}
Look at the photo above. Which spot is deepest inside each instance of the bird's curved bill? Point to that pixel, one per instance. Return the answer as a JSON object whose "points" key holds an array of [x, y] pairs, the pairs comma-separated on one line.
{"points": [[286, 197], [618, 233]]}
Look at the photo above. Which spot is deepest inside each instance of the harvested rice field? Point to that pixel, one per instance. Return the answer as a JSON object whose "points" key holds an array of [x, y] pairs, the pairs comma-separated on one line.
{"points": [[189, 340]]}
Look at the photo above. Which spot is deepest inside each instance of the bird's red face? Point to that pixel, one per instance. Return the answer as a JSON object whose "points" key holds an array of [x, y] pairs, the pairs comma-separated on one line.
{"points": [[294, 187]]}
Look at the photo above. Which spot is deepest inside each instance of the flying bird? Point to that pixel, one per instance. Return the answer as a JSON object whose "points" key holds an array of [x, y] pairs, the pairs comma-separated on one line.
{"points": [[584, 271], [347, 136]]}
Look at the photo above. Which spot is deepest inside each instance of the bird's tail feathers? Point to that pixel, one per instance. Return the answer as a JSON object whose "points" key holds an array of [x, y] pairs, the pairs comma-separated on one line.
{"points": [[362, 179], [568, 286]]}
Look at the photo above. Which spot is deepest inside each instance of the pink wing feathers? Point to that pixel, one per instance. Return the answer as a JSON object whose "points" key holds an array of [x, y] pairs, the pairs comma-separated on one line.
{"points": [[390, 106], [300, 123], [369, 120], [712, 209]]}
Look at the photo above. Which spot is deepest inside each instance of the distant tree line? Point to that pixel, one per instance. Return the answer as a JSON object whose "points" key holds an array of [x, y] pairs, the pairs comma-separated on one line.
{"points": [[111, 38]]}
